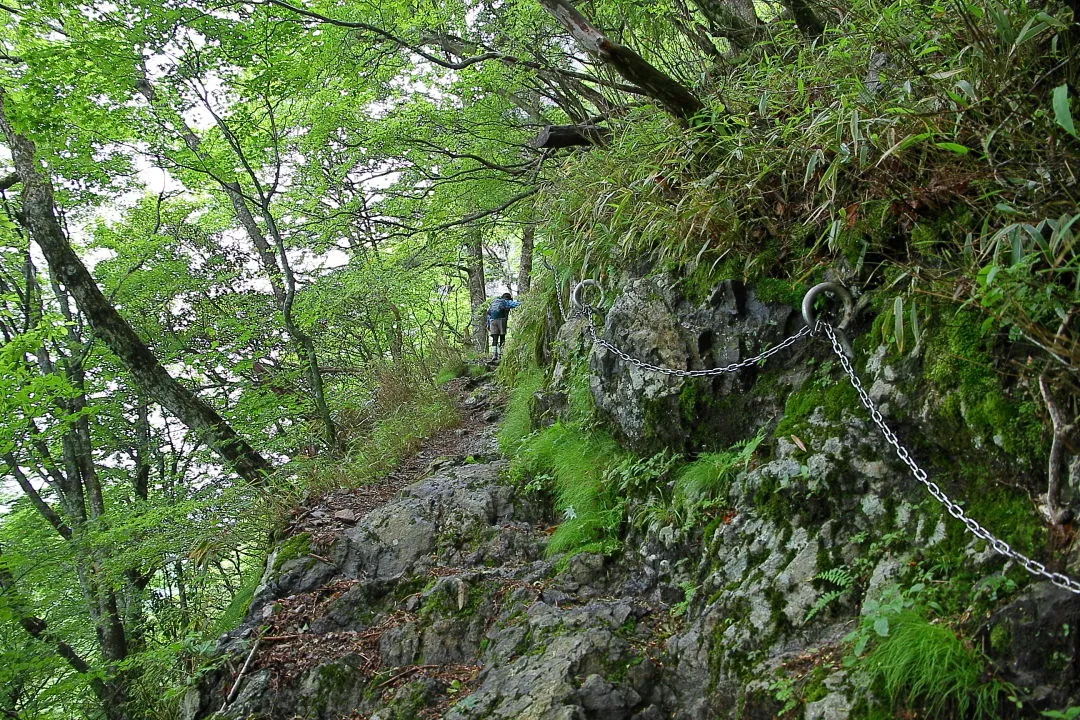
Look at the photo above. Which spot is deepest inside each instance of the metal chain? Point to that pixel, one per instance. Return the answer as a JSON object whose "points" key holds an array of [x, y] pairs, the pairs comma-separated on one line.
{"points": [[586, 311], [558, 293], [999, 546]]}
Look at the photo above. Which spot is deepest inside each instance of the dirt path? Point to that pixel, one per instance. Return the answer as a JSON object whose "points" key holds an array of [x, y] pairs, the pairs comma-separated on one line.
{"points": [[480, 406]]}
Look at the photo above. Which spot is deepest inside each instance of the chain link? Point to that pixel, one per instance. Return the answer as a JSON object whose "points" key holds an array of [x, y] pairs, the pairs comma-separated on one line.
{"points": [[761, 357], [999, 546]]}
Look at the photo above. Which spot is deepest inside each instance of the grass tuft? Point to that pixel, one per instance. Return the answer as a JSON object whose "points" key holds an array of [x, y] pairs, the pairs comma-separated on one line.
{"points": [[575, 464], [919, 664]]}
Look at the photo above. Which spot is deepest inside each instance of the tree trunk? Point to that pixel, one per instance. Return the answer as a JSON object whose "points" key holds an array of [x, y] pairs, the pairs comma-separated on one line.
{"points": [[528, 237], [731, 19], [806, 18], [282, 282], [231, 187], [112, 691], [670, 93], [561, 136], [39, 209], [474, 268], [304, 341]]}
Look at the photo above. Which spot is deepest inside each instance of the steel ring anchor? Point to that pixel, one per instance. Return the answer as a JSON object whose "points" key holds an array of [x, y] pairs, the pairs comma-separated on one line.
{"points": [[575, 295], [835, 289]]}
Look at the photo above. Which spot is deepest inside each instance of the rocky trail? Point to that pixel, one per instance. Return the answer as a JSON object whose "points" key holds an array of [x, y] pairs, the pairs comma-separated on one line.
{"points": [[428, 595]]}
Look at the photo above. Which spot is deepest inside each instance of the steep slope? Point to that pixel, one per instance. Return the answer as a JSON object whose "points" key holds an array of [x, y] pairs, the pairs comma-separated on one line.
{"points": [[810, 576]]}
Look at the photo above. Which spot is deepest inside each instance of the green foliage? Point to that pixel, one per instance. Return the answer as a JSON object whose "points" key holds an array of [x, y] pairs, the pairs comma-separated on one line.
{"points": [[406, 413], [517, 423], [877, 150], [1070, 713], [680, 608], [709, 476], [577, 466], [842, 581], [922, 665], [527, 339]]}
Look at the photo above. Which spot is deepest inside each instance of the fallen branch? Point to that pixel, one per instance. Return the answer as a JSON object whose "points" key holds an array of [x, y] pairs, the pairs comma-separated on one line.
{"points": [[407, 671], [1062, 430], [240, 676]]}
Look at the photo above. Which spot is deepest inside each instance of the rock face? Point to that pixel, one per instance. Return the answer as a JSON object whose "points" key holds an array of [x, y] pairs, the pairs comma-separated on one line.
{"points": [[653, 322], [449, 575]]}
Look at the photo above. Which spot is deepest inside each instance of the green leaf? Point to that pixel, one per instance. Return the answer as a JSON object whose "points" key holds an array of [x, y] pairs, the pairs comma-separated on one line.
{"points": [[860, 645], [953, 147], [881, 626], [915, 331], [1062, 114], [898, 321]]}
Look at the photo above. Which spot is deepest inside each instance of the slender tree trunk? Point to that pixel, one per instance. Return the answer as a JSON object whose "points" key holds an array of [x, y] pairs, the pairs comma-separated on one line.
{"points": [[301, 338], [474, 268], [528, 237], [670, 93], [732, 19], [39, 209], [279, 272], [231, 187]]}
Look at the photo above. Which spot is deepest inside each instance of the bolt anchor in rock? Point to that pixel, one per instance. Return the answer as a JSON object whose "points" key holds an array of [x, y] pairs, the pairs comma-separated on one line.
{"points": [[830, 287], [576, 295], [815, 325]]}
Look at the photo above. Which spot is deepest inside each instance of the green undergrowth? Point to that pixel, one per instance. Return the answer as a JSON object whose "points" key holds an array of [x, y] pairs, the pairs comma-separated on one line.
{"points": [[702, 486], [873, 154], [406, 412], [528, 341], [915, 663], [399, 433], [574, 464], [517, 422]]}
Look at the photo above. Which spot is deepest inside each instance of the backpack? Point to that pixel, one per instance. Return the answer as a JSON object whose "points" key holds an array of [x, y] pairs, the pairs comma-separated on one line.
{"points": [[499, 310]]}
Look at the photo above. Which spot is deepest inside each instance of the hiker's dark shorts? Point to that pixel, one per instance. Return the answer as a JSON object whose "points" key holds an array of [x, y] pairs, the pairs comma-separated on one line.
{"points": [[497, 326]]}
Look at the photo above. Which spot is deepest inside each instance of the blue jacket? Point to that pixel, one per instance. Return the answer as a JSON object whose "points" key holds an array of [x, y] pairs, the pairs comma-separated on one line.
{"points": [[501, 308]]}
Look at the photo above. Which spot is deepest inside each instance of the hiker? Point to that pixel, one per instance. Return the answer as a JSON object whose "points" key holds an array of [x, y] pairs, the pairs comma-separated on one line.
{"points": [[496, 321]]}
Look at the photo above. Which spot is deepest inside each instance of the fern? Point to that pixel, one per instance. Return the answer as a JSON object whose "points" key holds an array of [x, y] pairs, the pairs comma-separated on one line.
{"points": [[838, 576]]}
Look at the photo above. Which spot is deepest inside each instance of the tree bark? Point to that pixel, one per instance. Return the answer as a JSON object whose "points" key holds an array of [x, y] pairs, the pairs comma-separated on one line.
{"points": [[731, 19], [109, 326], [670, 93], [561, 136], [806, 19], [474, 269], [528, 238]]}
